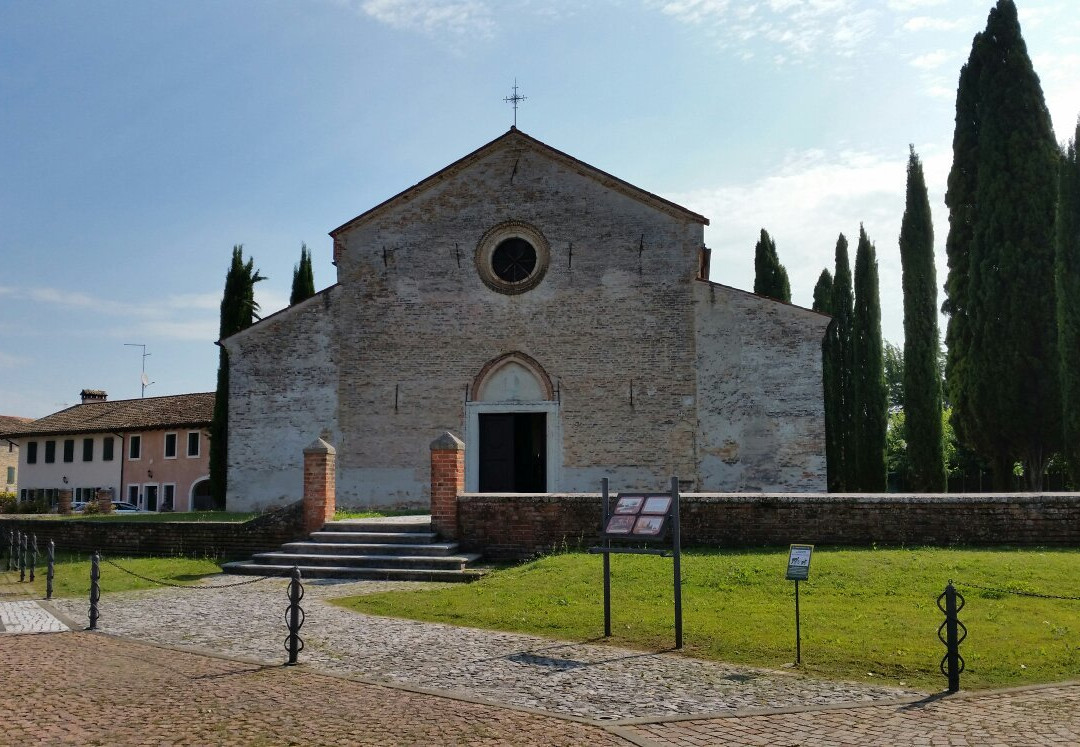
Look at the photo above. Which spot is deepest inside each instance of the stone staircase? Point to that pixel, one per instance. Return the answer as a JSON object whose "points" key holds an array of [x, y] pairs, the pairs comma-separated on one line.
{"points": [[401, 548]]}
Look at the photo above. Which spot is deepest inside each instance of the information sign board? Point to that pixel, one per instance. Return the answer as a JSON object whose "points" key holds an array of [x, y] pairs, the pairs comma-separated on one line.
{"points": [[798, 564], [642, 516]]}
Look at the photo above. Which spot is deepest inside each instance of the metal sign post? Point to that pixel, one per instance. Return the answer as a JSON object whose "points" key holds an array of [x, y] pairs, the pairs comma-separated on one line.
{"points": [[643, 518], [798, 569]]}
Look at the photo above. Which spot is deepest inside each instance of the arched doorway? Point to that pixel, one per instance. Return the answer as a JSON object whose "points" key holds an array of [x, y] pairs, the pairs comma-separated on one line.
{"points": [[201, 499], [512, 431]]}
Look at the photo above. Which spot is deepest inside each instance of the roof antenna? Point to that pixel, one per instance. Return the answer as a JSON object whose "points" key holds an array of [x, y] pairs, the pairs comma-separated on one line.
{"points": [[143, 378], [514, 100]]}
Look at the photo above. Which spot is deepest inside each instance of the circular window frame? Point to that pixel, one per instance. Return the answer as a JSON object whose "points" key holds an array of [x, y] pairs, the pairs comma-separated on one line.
{"points": [[490, 241]]}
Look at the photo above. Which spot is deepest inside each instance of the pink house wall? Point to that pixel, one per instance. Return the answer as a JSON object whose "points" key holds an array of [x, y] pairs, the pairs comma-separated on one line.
{"points": [[153, 468]]}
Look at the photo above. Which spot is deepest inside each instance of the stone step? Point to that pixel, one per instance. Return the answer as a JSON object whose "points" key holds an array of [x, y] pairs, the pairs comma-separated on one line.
{"points": [[391, 524], [369, 548], [346, 572], [396, 538], [451, 562]]}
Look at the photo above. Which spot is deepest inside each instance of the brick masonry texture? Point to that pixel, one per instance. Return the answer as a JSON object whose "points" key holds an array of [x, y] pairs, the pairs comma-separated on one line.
{"points": [[519, 526], [656, 372], [192, 538]]}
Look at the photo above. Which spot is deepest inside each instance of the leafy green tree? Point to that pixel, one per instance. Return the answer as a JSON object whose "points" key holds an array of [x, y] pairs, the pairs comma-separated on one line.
{"points": [[837, 377], [1003, 369], [894, 375], [922, 377], [303, 279], [239, 311], [823, 292], [1067, 278], [870, 411], [770, 277]]}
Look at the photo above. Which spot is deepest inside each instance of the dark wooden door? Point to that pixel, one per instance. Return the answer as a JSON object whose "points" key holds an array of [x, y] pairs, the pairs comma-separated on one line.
{"points": [[513, 452]]}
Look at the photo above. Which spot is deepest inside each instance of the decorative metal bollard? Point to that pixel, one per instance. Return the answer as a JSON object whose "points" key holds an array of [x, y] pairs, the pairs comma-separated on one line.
{"points": [[33, 556], [95, 588], [294, 617], [22, 558], [50, 556], [952, 664]]}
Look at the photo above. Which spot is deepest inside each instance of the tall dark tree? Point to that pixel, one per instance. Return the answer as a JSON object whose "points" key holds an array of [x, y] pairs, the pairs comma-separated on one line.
{"points": [[770, 277], [837, 380], [1002, 372], [303, 279], [922, 377], [238, 311], [1067, 277], [870, 412], [823, 292]]}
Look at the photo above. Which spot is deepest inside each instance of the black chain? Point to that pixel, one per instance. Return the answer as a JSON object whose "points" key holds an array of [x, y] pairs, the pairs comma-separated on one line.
{"points": [[1018, 593], [188, 586]]}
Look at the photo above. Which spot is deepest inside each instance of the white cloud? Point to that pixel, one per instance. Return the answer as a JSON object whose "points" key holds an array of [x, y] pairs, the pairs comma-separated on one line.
{"points": [[931, 60], [902, 6], [927, 23], [457, 17], [7, 360], [805, 203]]}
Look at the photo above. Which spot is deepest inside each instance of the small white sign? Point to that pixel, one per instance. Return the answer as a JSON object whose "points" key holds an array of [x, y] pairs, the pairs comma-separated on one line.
{"points": [[798, 564]]}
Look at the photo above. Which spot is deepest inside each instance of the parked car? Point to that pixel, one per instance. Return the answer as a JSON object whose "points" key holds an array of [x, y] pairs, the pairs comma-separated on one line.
{"points": [[77, 507], [123, 507]]}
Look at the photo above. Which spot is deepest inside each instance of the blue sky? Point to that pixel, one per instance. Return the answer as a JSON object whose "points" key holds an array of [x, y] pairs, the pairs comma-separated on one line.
{"points": [[140, 140]]}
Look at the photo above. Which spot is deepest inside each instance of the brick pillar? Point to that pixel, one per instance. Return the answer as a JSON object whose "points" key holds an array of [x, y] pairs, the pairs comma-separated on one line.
{"points": [[104, 499], [64, 497], [320, 496], [447, 481]]}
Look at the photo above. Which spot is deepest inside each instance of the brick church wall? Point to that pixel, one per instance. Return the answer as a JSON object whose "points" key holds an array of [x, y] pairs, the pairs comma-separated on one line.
{"points": [[760, 405], [282, 394], [517, 527]]}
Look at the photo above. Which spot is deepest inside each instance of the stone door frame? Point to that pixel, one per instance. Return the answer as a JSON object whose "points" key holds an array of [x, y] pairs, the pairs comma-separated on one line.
{"points": [[553, 436]]}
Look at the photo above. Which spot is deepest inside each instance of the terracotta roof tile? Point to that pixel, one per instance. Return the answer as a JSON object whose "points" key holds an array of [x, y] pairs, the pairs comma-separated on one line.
{"points": [[176, 411]]}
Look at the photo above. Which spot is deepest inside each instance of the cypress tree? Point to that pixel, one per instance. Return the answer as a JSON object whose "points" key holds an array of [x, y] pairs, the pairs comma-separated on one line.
{"points": [[770, 277], [922, 377], [1003, 370], [1067, 278], [823, 292], [238, 312], [303, 279], [837, 377], [870, 411]]}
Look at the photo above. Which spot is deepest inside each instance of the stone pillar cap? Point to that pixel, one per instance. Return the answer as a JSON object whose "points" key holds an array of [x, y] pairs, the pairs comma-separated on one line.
{"points": [[320, 447], [447, 442]]}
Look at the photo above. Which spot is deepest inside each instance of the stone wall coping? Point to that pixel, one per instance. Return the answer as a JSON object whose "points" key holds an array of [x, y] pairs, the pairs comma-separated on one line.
{"points": [[319, 446], [869, 498], [447, 442]]}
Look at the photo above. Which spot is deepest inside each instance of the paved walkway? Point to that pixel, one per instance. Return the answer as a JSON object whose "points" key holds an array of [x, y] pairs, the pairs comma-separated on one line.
{"points": [[27, 616], [370, 680]]}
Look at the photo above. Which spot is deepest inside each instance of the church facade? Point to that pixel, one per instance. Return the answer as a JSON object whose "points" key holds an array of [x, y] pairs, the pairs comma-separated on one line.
{"points": [[557, 319]]}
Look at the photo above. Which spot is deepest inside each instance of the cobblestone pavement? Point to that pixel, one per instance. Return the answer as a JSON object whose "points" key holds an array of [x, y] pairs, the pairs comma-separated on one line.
{"points": [[88, 689], [574, 679], [1031, 716], [27, 616]]}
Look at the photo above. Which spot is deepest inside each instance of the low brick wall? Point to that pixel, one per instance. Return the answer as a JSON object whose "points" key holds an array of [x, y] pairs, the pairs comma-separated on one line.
{"points": [[512, 527], [227, 539]]}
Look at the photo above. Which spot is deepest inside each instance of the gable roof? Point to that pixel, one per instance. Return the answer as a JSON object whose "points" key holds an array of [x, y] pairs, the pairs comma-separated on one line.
{"points": [[151, 413], [516, 136]]}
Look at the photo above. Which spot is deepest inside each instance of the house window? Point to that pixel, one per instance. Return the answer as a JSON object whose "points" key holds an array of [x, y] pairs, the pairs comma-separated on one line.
{"points": [[133, 495], [168, 493], [88, 449], [69, 449], [193, 441], [50, 452], [170, 446], [134, 447], [31, 452], [107, 449], [10, 475]]}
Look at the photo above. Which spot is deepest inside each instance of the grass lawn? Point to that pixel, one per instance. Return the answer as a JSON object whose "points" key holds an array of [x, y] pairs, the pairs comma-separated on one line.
{"points": [[147, 516], [866, 614], [345, 513], [72, 574]]}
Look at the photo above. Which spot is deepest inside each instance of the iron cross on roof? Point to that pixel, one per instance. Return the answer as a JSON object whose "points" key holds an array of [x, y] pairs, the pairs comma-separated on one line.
{"points": [[514, 100]]}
